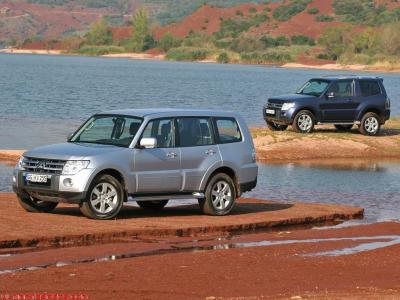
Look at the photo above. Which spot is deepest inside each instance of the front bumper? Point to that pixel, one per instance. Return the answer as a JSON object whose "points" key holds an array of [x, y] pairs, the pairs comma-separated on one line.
{"points": [[279, 117], [56, 190]]}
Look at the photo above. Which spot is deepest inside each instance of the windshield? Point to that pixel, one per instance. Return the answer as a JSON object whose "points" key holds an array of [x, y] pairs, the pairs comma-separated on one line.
{"points": [[314, 87], [108, 130]]}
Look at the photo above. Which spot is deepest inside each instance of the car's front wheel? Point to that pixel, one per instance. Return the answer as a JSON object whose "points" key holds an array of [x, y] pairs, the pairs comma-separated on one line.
{"points": [[37, 206], [276, 127], [304, 122], [104, 200], [220, 196], [370, 124], [152, 205]]}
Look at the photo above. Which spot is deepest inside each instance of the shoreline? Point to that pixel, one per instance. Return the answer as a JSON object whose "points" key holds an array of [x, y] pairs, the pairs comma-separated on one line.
{"points": [[325, 146], [162, 57]]}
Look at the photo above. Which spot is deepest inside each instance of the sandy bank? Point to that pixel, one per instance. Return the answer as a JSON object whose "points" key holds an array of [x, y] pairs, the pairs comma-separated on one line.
{"points": [[326, 143], [143, 56], [10, 157], [340, 67], [20, 228], [27, 51]]}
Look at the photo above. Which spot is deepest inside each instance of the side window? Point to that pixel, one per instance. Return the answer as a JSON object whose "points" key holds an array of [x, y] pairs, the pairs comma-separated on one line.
{"points": [[369, 88], [194, 132], [162, 131], [228, 130], [341, 88]]}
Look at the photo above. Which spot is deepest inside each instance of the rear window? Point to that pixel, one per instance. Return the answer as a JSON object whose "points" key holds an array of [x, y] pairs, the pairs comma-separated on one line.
{"points": [[228, 130], [369, 88]]}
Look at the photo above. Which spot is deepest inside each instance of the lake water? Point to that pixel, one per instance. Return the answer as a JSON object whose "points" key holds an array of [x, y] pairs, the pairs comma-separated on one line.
{"points": [[44, 98], [371, 185]]}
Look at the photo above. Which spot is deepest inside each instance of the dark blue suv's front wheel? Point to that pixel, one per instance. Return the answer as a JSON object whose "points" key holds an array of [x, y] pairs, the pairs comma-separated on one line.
{"points": [[304, 122]]}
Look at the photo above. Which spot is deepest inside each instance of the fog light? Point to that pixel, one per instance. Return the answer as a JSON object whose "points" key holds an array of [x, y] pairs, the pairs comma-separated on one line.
{"points": [[14, 179], [68, 182]]}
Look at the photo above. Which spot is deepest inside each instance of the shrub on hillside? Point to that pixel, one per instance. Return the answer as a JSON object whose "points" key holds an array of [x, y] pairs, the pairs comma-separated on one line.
{"points": [[95, 50], [324, 18], [187, 54], [285, 12], [223, 58], [266, 57], [313, 11], [302, 40], [167, 41]]}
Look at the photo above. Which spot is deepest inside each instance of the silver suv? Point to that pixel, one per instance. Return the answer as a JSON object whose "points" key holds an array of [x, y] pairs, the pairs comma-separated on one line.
{"points": [[148, 156]]}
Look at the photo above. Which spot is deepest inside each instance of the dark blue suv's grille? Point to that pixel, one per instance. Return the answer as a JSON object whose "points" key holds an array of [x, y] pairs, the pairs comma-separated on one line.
{"points": [[274, 105]]}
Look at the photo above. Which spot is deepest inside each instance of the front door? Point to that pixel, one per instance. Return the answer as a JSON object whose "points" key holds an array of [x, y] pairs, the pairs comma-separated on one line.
{"points": [[339, 103], [198, 149], [158, 170]]}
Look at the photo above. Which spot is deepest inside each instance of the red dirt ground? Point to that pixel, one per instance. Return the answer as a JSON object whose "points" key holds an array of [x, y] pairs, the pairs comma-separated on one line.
{"points": [[266, 272]]}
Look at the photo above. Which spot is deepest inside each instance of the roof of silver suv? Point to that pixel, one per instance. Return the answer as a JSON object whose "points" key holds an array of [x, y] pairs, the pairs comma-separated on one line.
{"points": [[169, 112]]}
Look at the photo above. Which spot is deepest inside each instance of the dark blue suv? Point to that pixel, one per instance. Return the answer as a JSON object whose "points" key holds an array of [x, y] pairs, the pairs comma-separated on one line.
{"points": [[343, 101]]}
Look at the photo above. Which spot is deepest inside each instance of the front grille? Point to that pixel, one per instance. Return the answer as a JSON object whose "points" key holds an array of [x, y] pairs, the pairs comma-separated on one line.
{"points": [[47, 166], [274, 105]]}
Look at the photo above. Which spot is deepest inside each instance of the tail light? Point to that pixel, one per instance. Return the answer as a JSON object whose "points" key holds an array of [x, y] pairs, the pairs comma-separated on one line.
{"points": [[387, 103]]}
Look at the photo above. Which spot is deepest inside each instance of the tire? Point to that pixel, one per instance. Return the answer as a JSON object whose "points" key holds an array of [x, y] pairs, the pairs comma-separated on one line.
{"points": [[36, 206], [220, 196], [276, 127], [343, 127], [152, 205], [104, 199], [304, 122], [370, 124]]}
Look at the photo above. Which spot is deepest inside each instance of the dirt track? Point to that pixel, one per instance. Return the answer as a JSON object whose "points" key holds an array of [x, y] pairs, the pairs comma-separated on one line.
{"points": [[68, 227]]}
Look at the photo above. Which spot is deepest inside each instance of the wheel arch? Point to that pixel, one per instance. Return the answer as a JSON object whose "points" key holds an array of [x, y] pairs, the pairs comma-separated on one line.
{"points": [[370, 110], [226, 170], [114, 173]]}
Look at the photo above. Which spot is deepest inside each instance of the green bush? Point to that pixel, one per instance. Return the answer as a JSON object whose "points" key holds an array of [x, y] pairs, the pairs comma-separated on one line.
{"points": [[232, 28], [313, 11], [266, 57], [252, 10], [187, 54], [167, 41], [324, 18], [302, 40], [94, 50], [285, 12], [239, 13], [223, 58]]}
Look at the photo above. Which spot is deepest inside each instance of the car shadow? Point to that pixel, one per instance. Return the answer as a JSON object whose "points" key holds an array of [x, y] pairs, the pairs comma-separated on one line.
{"points": [[130, 212], [355, 131]]}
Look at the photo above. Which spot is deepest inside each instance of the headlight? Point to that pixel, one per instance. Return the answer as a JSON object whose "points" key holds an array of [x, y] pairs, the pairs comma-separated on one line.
{"points": [[72, 167], [20, 164], [287, 106]]}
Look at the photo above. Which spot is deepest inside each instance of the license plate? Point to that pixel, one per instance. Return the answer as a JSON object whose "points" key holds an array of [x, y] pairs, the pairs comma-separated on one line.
{"points": [[270, 111], [35, 178]]}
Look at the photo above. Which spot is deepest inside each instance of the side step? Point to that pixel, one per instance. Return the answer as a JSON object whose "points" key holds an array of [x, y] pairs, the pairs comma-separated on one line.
{"points": [[154, 197], [340, 123]]}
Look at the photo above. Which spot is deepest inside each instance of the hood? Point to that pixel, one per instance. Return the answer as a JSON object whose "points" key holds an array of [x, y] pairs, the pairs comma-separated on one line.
{"points": [[73, 151], [290, 98]]}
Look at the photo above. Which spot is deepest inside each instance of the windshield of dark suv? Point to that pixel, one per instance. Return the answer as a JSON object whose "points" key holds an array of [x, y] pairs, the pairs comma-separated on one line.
{"points": [[108, 130], [314, 87]]}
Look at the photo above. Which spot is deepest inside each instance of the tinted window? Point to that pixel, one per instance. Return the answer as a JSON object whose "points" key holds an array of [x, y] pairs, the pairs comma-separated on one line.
{"points": [[342, 88], [109, 130], [228, 130], [369, 88], [162, 131], [194, 132], [314, 87]]}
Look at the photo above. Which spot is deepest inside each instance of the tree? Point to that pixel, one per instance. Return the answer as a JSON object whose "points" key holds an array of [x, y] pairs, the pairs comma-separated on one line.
{"points": [[166, 42], [99, 33], [336, 40], [140, 24]]}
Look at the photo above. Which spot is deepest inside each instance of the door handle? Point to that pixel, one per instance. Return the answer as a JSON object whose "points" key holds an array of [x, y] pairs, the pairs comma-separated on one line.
{"points": [[210, 152], [172, 154]]}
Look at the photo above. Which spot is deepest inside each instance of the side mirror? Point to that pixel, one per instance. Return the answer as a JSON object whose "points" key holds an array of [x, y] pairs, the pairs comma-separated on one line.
{"points": [[330, 95], [148, 143]]}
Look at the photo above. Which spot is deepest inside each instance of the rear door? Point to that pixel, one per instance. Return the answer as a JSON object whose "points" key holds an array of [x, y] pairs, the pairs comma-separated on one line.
{"points": [[342, 106], [158, 170], [198, 149]]}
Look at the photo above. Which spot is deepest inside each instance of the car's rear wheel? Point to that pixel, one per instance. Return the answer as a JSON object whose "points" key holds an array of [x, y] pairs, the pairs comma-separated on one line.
{"points": [[370, 124], [37, 206], [104, 200], [343, 127], [152, 205], [220, 196], [276, 127], [304, 122]]}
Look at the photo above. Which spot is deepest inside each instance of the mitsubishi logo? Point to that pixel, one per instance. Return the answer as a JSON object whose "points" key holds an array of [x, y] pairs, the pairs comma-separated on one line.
{"points": [[41, 165]]}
